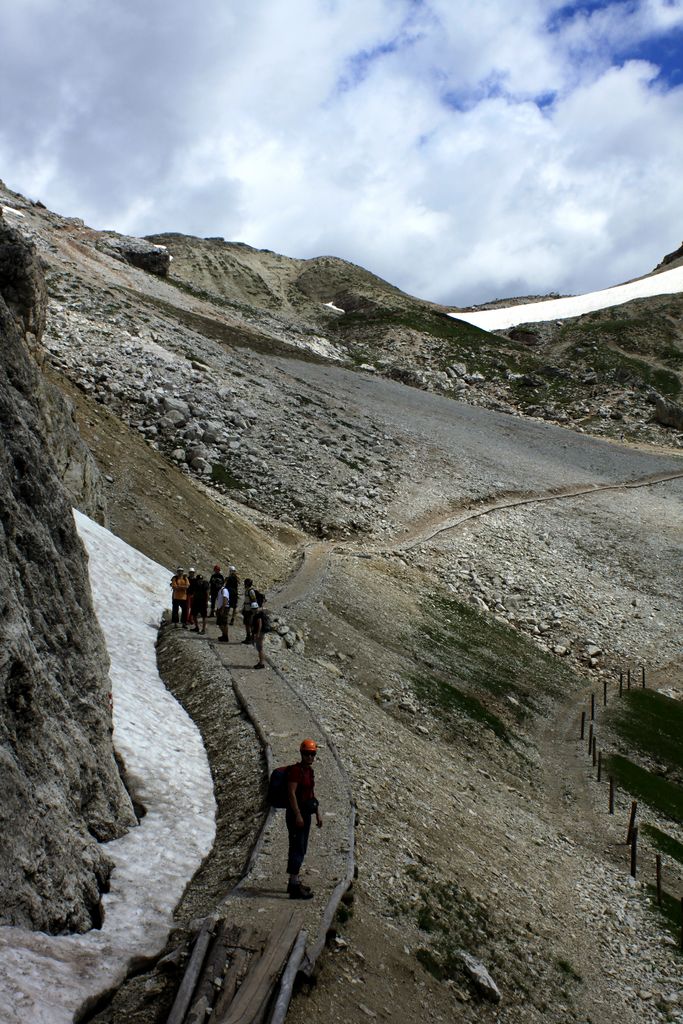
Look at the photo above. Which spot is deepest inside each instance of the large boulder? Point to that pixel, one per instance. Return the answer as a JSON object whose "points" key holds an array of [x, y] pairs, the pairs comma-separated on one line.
{"points": [[155, 259], [62, 794], [669, 414]]}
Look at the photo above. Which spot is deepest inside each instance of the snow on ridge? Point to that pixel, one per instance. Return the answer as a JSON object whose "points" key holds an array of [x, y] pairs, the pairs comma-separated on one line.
{"points": [[44, 978], [668, 282]]}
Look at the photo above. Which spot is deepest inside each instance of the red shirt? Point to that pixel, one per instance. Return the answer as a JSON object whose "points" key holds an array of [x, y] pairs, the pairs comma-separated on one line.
{"points": [[305, 781]]}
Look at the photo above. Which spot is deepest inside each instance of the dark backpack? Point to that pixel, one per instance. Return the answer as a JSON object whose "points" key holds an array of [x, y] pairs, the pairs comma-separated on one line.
{"points": [[278, 794], [260, 598]]}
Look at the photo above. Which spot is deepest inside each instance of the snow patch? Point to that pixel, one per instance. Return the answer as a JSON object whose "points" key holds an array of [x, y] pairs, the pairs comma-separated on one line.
{"points": [[43, 978], [10, 209], [667, 283], [331, 305]]}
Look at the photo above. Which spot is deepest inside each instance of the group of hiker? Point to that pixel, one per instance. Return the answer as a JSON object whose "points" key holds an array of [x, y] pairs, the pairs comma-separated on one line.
{"points": [[194, 599]]}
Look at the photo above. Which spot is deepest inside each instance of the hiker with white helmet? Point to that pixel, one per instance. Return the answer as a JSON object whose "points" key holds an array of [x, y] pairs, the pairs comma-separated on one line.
{"points": [[232, 582]]}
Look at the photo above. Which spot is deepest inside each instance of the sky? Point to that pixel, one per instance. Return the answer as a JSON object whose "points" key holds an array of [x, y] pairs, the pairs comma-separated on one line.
{"points": [[464, 150]]}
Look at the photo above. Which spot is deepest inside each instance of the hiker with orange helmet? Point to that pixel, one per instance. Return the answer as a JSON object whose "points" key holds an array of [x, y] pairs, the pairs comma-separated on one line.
{"points": [[302, 806]]}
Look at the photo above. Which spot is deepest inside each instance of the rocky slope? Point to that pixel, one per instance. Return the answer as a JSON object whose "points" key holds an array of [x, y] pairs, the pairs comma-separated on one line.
{"points": [[62, 793], [228, 410]]}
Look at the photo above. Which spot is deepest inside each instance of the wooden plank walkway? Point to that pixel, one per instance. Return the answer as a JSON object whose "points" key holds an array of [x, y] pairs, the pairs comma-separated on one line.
{"points": [[257, 935]]}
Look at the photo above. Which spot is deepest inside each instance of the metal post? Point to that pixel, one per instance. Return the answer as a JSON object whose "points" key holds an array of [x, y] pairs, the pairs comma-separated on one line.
{"points": [[604, 692], [583, 724], [643, 671], [621, 683], [590, 737], [628, 679], [634, 851], [611, 794], [595, 751], [599, 765], [592, 707]]}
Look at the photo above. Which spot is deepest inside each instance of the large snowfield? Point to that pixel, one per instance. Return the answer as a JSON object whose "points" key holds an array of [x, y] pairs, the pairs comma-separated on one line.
{"points": [[44, 979], [668, 282]]}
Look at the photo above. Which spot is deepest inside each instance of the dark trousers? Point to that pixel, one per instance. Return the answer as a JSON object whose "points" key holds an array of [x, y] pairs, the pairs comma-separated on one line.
{"points": [[298, 841], [179, 606]]}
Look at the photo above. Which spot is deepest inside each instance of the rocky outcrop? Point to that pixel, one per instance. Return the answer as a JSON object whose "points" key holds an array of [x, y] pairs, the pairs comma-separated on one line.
{"points": [[669, 414], [155, 259], [62, 793]]}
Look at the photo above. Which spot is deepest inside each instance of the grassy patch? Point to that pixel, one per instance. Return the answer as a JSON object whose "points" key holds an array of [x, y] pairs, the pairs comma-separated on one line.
{"points": [[664, 843], [652, 724], [453, 703], [222, 475], [669, 912], [660, 794], [486, 670]]}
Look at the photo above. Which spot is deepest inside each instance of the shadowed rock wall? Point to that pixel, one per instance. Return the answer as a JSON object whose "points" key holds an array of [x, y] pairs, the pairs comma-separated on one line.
{"points": [[61, 791]]}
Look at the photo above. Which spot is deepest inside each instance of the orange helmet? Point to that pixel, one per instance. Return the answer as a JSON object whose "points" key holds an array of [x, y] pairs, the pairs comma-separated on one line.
{"points": [[308, 745]]}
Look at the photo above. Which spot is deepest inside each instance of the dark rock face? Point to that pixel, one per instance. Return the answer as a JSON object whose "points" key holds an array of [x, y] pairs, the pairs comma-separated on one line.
{"points": [[61, 791], [138, 252]]}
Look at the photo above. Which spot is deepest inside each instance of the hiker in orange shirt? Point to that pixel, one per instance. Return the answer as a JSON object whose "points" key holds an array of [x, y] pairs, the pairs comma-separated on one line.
{"points": [[179, 585]]}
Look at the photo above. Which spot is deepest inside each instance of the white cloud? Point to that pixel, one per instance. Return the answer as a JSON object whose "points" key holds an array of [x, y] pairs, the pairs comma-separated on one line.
{"points": [[461, 151]]}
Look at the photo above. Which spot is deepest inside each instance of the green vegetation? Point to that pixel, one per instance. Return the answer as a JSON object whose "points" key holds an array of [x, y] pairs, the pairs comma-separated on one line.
{"points": [[222, 475], [447, 698], [662, 795], [669, 911], [487, 671], [666, 844], [652, 724]]}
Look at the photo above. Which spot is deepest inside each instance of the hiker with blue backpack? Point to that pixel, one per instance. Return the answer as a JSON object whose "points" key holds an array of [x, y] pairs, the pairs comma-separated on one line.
{"points": [[293, 788]]}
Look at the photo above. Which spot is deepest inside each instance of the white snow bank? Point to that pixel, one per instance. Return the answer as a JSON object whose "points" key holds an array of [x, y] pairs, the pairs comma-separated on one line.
{"points": [[44, 978], [666, 283], [10, 209]]}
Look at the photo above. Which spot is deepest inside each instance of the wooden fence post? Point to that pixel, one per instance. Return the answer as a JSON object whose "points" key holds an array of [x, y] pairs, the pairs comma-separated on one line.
{"points": [[631, 820], [658, 862]]}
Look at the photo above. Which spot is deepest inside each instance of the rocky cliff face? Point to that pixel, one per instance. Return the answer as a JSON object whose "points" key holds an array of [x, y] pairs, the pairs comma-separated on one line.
{"points": [[62, 793]]}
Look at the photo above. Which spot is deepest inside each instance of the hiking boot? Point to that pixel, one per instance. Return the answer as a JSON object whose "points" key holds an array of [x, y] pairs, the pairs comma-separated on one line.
{"points": [[247, 640], [259, 665], [299, 892], [223, 640]]}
